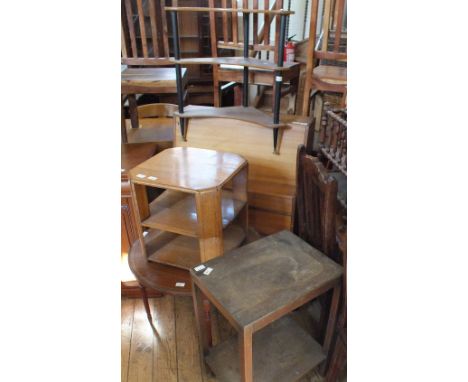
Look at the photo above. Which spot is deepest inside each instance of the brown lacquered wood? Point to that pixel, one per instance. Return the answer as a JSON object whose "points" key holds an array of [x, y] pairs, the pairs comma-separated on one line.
{"points": [[339, 24], [131, 155], [157, 80], [266, 29], [325, 78], [157, 276], [333, 74], [131, 27], [225, 21], [179, 215], [214, 53], [184, 252], [252, 141], [210, 233], [246, 114], [278, 11], [193, 205], [164, 28], [154, 26], [326, 24], [315, 203], [240, 61], [157, 110], [123, 45], [149, 61], [246, 354], [279, 5], [218, 168], [234, 23], [141, 19]]}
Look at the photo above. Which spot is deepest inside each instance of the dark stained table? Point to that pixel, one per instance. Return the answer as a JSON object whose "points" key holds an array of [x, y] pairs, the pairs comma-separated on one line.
{"points": [[255, 287]]}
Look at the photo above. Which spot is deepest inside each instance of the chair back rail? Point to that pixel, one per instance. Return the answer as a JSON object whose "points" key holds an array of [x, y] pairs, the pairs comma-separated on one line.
{"points": [[315, 212], [145, 39], [228, 35], [154, 110]]}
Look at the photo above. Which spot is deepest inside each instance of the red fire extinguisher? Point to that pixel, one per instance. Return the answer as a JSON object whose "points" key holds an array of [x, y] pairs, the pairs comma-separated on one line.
{"points": [[289, 49]]}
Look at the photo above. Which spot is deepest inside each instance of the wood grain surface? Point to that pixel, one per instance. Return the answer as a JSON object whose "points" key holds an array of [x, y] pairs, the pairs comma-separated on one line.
{"points": [[272, 272], [179, 168]]}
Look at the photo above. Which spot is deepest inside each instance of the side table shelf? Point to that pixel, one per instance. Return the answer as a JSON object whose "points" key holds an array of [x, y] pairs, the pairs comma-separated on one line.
{"points": [[184, 251], [282, 351], [176, 212]]}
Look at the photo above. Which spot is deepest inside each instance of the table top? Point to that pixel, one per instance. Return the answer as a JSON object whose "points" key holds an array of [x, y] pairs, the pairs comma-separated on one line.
{"points": [[188, 169], [156, 276], [150, 74], [266, 279]]}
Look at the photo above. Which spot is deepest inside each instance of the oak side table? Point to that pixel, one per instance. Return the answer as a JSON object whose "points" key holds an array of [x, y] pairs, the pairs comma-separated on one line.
{"points": [[255, 287], [201, 213]]}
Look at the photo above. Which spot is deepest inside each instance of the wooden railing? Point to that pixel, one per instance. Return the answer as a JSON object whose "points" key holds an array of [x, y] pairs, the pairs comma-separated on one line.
{"points": [[333, 137]]}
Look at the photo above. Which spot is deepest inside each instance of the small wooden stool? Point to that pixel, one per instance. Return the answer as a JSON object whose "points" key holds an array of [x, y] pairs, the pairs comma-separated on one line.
{"points": [[254, 287]]}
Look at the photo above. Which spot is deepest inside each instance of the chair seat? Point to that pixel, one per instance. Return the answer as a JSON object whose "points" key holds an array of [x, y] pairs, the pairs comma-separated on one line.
{"points": [[330, 74], [150, 80], [159, 130]]}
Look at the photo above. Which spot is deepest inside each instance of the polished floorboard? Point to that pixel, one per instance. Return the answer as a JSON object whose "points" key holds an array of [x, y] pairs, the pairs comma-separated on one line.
{"points": [[170, 352]]}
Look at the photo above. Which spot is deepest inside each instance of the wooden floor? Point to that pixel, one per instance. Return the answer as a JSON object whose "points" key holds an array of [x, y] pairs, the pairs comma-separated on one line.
{"points": [[171, 353]]}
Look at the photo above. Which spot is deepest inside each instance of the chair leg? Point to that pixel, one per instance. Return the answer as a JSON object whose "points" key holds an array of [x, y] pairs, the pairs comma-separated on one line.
{"points": [[133, 110], [123, 126], [331, 326], [216, 90], [144, 295], [337, 361]]}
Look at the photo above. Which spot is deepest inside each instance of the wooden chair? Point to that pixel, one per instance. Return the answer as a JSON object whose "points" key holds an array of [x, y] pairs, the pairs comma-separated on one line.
{"points": [[131, 155], [144, 45], [230, 40], [156, 124], [315, 212], [327, 49]]}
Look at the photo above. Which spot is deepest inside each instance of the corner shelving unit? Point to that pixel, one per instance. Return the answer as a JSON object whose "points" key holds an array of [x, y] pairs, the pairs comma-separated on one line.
{"points": [[246, 62], [201, 211]]}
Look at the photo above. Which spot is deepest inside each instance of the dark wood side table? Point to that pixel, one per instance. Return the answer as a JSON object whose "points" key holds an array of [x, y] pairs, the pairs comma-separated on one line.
{"points": [[255, 287]]}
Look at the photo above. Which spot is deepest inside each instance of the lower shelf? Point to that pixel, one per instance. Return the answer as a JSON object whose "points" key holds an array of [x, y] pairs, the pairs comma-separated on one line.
{"points": [[282, 352], [183, 251]]}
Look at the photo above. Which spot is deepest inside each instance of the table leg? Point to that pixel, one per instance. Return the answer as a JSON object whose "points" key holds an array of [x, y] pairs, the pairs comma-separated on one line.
{"points": [[146, 303], [201, 305], [133, 110], [123, 126], [245, 351], [331, 323]]}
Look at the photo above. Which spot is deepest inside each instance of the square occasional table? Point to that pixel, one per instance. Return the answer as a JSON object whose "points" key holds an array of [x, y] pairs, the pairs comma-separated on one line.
{"points": [[255, 287]]}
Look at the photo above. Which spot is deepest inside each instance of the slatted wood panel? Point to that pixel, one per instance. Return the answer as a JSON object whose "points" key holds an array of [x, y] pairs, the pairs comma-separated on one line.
{"points": [[174, 357], [144, 32], [232, 34], [331, 21]]}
